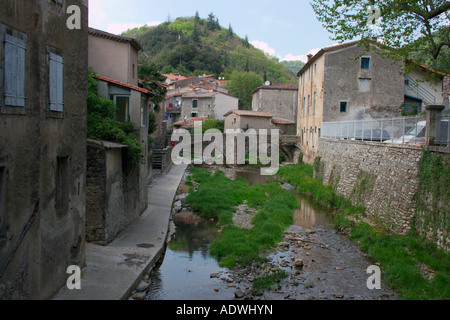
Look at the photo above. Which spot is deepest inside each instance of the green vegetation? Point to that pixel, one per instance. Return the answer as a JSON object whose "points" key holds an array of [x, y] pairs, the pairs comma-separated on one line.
{"points": [[294, 66], [404, 259], [433, 196], [194, 46], [268, 281], [216, 198], [241, 85], [101, 123]]}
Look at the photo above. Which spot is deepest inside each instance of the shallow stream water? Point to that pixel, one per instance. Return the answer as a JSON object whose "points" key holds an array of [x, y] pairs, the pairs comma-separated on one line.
{"points": [[334, 267]]}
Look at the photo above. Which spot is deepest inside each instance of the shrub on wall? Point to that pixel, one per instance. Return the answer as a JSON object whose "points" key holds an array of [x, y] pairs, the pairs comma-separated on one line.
{"points": [[101, 123], [433, 198]]}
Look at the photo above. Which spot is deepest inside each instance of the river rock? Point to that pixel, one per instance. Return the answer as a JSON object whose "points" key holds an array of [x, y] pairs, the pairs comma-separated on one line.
{"points": [[215, 275], [299, 263], [238, 294]]}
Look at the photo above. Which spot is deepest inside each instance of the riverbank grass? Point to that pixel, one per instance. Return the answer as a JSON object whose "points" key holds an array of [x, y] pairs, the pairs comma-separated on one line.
{"points": [[413, 267], [217, 198]]}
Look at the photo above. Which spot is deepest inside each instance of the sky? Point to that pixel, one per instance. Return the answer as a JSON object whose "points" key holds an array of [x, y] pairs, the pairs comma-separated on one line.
{"points": [[286, 29]]}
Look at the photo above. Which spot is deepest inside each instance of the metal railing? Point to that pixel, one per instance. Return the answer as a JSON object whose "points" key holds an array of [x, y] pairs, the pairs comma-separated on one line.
{"points": [[420, 91], [402, 130]]}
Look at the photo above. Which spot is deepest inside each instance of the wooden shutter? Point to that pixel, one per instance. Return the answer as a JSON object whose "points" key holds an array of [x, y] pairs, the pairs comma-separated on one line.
{"points": [[56, 64], [15, 54]]}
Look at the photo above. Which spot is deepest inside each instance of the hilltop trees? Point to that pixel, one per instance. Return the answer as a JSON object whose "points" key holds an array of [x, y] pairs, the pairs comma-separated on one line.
{"points": [[189, 45]]}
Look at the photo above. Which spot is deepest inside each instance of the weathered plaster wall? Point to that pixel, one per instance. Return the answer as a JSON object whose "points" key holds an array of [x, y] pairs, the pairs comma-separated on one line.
{"points": [[116, 192], [30, 144]]}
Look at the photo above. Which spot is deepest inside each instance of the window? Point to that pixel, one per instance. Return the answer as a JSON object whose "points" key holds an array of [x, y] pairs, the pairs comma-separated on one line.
{"points": [[313, 142], [56, 99], [194, 104], [194, 115], [309, 102], [314, 104], [304, 106], [2, 203], [13, 46], [343, 106], [144, 113], [365, 63], [364, 85], [62, 184], [122, 103]]}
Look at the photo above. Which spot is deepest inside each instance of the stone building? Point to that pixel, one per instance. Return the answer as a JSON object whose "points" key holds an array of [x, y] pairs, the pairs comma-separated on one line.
{"points": [[280, 100], [212, 104], [246, 119], [345, 82], [117, 189], [43, 82]]}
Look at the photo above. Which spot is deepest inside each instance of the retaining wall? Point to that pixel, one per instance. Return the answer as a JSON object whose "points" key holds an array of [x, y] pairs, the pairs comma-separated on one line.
{"points": [[383, 178]]}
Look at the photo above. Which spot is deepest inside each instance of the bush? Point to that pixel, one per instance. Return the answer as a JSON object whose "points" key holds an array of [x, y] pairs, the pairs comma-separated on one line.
{"points": [[101, 123]]}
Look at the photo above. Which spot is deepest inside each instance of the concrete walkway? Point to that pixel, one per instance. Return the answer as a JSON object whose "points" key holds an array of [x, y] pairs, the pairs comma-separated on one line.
{"points": [[114, 271]]}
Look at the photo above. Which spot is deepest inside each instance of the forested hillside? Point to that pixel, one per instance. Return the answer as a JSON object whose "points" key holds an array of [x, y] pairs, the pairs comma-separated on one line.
{"points": [[193, 46]]}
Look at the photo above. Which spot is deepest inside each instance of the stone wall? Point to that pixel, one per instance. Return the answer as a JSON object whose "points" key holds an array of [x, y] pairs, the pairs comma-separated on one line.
{"points": [[382, 177], [116, 191]]}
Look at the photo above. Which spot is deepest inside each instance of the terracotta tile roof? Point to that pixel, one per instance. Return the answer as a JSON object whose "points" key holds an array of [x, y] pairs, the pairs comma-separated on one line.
{"points": [[136, 88], [110, 36], [175, 77], [189, 122], [249, 113], [281, 121], [279, 86], [428, 68]]}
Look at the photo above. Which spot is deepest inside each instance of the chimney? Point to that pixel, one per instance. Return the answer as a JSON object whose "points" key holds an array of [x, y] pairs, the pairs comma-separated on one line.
{"points": [[309, 56]]}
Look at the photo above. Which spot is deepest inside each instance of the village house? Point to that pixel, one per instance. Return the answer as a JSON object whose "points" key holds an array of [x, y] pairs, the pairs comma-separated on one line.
{"points": [[280, 100], [247, 119], [43, 83], [212, 104], [200, 96], [345, 82], [117, 189]]}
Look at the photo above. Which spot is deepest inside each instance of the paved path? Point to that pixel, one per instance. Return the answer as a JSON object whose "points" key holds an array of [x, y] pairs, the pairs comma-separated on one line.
{"points": [[112, 272]]}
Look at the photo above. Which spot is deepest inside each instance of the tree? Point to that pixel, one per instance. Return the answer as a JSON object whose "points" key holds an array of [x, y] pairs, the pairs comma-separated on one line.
{"points": [[197, 17], [230, 32], [399, 24], [241, 85], [153, 81], [211, 22]]}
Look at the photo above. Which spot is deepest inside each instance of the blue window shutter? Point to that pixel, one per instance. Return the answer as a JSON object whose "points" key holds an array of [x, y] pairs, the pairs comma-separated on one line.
{"points": [[56, 68], [15, 55]]}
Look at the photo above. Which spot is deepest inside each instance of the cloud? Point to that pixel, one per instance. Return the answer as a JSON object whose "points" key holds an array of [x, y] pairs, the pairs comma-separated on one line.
{"points": [[118, 28], [301, 57], [96, 15], [264, 46]]}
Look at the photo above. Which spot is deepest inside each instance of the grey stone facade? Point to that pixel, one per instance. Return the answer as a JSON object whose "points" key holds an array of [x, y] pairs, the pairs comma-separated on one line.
{"points": [[42, 147]]}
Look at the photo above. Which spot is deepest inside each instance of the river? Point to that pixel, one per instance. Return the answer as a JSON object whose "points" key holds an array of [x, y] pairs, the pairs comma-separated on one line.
{"points": [[334, 267]]}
